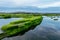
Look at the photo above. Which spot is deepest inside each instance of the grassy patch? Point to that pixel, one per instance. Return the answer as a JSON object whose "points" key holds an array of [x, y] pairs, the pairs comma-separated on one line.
{"points": [[15, 27]]}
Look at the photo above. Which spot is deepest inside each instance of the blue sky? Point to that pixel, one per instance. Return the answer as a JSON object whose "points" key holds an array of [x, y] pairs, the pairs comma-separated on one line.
{"points": [[26, 3]]}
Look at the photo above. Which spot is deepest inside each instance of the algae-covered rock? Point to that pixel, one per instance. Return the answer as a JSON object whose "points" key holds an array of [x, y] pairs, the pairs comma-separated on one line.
{"points": [[21, 26]]}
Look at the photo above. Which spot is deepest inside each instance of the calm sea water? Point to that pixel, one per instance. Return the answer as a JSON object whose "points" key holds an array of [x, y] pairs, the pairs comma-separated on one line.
{"points": [[49, 29]]}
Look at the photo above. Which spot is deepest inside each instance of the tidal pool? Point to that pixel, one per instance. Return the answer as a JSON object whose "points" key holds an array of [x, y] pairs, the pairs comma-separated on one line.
{"points": [[49, 29]]}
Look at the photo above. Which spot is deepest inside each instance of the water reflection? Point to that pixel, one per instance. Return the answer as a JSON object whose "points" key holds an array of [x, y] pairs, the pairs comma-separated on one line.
{"points": [[48, 30], [55, 18]]}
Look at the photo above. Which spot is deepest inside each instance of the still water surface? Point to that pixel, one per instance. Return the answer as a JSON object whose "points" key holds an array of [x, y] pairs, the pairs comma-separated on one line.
{"points": [[49, 29]]}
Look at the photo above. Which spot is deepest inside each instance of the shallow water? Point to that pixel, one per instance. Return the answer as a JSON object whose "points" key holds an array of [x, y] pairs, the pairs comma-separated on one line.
{"points": [[49, 29], [6, 21]]}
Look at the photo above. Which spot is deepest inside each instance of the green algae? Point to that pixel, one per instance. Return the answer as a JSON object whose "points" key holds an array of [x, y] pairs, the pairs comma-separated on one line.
{"points": [[20, 26]]}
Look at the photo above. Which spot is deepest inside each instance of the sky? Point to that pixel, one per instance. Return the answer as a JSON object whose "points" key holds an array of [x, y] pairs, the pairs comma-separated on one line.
{"points": [[6, 4]]}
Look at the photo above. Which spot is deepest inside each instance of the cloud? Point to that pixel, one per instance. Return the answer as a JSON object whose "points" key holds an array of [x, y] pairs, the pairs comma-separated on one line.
{"points": [[54, 4], [37, 3], [16, 3]]}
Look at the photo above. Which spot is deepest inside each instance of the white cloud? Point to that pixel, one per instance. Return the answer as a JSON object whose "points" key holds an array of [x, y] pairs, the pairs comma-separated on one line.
{"points": [[17, 3], [36, 3], [54, 4]]}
